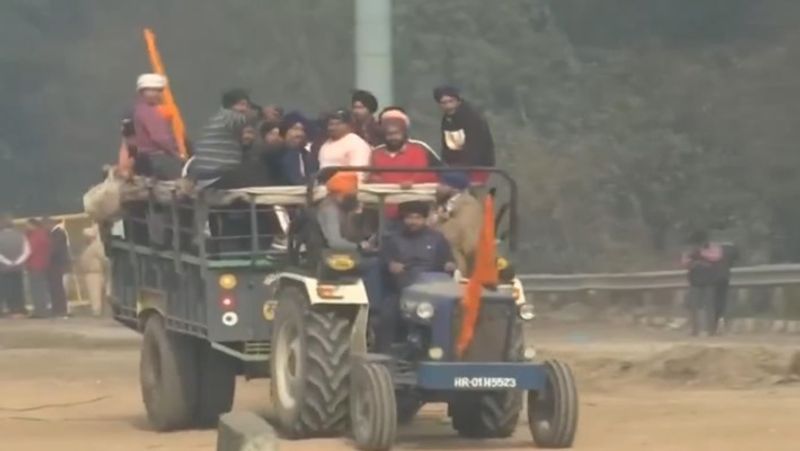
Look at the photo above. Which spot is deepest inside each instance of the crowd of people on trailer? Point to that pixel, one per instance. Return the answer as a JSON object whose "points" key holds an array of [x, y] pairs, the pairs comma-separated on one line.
{"points": [[244, 145]]}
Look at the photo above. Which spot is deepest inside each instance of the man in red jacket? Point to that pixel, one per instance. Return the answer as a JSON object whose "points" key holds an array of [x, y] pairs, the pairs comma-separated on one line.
{"points": [[398, 151], [37, 265]]}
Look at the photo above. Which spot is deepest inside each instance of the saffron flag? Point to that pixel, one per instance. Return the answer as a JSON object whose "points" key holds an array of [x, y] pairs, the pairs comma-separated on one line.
{"points": [[170, 108], [484, 273]]}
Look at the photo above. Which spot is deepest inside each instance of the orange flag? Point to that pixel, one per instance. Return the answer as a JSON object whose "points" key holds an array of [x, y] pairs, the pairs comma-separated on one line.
{"points": [[483, 273], [170, 108]]}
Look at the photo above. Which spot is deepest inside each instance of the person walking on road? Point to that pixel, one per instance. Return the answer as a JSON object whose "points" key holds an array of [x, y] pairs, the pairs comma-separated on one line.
{"points": [[37, 265], [59, 266], [14, 252], [705, 268], [92, 263]]}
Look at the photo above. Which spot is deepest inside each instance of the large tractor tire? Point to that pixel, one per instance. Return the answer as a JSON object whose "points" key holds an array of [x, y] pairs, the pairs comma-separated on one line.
{"points": [[310, 366], [553, 412], [168, 376], [490, 414], [217, 385], [373, 410]]}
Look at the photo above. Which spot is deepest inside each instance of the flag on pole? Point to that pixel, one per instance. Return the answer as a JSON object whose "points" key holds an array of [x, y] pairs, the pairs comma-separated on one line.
{"points": [[484, 273], [170, 109]]}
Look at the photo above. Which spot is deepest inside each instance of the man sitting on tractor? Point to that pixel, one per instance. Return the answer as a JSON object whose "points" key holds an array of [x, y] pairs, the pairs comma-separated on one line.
{"points": [[457, 216], [341, 224], [415, 250]]}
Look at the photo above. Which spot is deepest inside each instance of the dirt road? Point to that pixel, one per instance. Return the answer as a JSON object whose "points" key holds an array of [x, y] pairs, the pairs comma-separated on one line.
{"points": [[73, 386]]}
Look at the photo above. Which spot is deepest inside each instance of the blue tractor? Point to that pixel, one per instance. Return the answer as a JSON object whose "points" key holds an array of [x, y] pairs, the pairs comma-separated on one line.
{"points": [[484, 387]]}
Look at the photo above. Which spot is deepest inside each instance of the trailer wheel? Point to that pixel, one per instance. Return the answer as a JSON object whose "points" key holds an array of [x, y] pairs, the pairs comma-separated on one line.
{"points": [[310, 366], [167, 376], [217, 385], [553, 412], [373, 410], [492, 414]]}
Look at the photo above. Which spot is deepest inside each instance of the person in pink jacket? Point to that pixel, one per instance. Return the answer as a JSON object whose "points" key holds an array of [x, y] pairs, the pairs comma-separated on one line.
{"points": [[343, 147]]}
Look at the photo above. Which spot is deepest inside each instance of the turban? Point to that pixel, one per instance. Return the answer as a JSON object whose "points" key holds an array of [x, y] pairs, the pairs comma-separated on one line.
{"points": [[445, 90], [292, 119], [395, 113], [367, 99], [343, 183], [455, 179], [414, 207], [151, 81]]}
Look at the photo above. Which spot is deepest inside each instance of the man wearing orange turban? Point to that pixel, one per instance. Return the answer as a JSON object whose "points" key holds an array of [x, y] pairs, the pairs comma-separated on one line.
{"points": [[336, 216]]}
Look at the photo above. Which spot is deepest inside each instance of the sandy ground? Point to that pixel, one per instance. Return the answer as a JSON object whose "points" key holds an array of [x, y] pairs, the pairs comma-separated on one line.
{"points": [[73, 386]]}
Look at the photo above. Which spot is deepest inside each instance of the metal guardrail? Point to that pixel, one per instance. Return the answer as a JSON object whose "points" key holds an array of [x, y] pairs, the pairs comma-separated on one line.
{"points": [[752, 276]]}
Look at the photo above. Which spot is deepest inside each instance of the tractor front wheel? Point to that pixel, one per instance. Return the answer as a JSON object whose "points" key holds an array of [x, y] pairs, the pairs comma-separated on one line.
{"points": [[553, 411]]}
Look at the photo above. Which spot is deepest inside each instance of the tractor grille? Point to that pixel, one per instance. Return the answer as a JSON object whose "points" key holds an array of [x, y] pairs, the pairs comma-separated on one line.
{"points": [[491, 332], [257, 347]]}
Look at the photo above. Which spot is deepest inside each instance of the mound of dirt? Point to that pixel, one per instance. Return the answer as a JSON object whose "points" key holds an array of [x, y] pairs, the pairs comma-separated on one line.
{"points": [[699, 365]]}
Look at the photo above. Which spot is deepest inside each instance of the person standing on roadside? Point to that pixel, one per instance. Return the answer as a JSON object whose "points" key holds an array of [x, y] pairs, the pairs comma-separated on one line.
{"points": [[466, 138], [37, 266], [14, 252], [93, 264], [705, 268], [59, 265]]}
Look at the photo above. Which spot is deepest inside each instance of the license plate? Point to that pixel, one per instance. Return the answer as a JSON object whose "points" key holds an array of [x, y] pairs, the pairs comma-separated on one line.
{"points": [[484, 382]]}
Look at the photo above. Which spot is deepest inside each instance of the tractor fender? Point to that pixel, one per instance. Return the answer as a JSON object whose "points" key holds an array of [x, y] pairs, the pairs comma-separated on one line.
{"points": [[351, 294]]}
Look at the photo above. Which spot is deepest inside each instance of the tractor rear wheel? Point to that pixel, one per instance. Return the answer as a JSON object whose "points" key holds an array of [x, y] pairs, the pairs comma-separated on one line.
{"points": [[373, 409], [553, 412], [310, 366]]}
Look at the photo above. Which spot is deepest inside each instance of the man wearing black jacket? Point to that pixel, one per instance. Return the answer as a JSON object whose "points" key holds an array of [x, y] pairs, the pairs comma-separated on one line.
{"points": [[466, 138]]}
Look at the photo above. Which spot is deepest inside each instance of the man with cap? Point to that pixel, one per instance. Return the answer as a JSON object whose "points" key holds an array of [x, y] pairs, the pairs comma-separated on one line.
{"points": [[458, 217], [14, 252], [343, 147], [219, 149], [156, 148], [364, 105], [466, 138], [409, 254], [417, 248]]}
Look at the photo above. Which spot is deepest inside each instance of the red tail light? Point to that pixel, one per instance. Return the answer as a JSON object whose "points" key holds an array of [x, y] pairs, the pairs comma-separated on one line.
{"points": [[227, 302]]}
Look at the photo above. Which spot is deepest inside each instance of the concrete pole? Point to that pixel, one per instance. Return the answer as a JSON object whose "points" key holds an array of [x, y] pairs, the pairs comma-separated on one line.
{"points": [[373, 48]]}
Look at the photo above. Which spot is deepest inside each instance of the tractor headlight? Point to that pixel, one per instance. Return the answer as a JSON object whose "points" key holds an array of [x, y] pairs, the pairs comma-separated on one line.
{"points": [[340, 262], [526, 312], [436, 353], [227, 281], [424, 310]]}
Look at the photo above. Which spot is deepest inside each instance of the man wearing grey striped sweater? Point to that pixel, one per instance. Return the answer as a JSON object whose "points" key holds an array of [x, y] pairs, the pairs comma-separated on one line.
{"points": [[219, 149]]}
